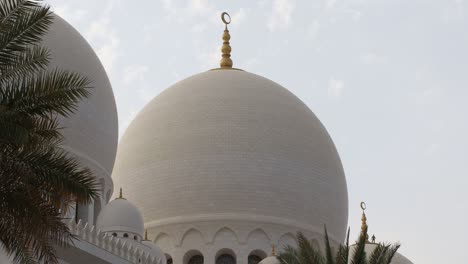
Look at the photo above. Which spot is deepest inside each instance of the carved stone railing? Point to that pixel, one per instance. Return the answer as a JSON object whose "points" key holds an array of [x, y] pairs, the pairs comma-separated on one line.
{"points": [[116, 246]]}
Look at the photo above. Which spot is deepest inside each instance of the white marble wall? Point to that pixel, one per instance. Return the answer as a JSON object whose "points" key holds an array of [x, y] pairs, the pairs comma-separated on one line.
{"points": [[212, 238]]}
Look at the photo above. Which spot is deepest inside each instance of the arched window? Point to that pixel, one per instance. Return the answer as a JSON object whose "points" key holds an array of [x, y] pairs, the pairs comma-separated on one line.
{"points": [[225, 259], [197, 259], [254, 259]]}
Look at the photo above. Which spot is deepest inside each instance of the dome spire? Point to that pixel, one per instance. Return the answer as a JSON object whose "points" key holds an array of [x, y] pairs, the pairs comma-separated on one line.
{"points": [[226, 62], [121, 194], [364, 225]]}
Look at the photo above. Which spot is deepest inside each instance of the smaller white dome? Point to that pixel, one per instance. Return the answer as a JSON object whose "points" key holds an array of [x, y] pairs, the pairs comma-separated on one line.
{"points": [[155, 251], [121, 216], [270, 260]]}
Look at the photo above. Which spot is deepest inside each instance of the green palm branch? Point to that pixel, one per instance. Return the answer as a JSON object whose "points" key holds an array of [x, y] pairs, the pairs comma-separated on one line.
{"points": [[39, 181], [306, 253]]}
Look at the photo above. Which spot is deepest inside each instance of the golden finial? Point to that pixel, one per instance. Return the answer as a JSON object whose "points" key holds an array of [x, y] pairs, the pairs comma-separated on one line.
{"points": [[273, 252], [226, 61], [146, 234], [364, 226], [121, 194]]}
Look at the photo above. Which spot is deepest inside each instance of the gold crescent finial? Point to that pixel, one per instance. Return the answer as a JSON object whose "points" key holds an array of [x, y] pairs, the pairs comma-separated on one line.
{"points": [[223, 18], [226, 62]]}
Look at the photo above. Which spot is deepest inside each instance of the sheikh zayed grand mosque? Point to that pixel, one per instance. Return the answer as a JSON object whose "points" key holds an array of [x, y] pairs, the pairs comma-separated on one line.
{"points": [[223, 167]]}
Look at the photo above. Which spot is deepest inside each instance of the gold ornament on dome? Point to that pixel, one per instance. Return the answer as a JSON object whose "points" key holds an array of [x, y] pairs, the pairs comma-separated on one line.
{"points": [[226, 61]]}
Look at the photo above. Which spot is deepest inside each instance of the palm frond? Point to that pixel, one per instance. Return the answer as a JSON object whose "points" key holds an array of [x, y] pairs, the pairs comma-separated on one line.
{"points": [[359, 254], [22, 31], [33, 60], [38, 179], [342, 255], [11, 8], [328, 250], [378, 254], [49, 92], [289, 255], [307, 252], [391, 253]]}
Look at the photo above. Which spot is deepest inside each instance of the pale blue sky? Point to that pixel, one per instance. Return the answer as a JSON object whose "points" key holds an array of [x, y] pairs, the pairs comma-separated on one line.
{"points": [[388, 78]]}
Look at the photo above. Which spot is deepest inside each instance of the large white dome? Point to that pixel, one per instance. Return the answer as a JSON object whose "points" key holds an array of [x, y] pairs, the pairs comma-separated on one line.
{"points": [[91, 133], [228, 144]]}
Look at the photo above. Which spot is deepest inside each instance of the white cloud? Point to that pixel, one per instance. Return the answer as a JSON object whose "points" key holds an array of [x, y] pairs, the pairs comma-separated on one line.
{"points": [[431, 149], [71, 15], [211, 58], [335, 87], [370, 58], [313, 29], [135, 73], [104, 38], [281, 14], [200, 7], [428, 96], [238, 17], [330, 3], [126, 121], [355, 14]]}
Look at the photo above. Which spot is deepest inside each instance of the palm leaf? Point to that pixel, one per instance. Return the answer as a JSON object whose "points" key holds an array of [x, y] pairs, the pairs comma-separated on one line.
{"points": [[307, 253], [359, 254], [38, 179], [289, 255], [378, 254], [57, 91], [342, 255], [328, 250], [23, 31], [391, 253], [31, 61]]}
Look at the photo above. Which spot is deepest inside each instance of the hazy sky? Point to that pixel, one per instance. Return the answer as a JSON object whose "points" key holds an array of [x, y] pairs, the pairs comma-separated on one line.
{"points": [[388, 79]]}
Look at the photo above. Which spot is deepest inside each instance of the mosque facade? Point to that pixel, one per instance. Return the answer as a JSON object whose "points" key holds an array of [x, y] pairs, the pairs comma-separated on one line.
{"points": [[220, 168]]}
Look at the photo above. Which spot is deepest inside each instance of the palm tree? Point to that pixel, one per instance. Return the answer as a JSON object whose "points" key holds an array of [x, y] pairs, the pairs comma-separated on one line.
{"points": [[39, 181], [306, 253]]}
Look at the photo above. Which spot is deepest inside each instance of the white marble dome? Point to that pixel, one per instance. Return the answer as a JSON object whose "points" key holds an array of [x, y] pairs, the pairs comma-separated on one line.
{"points": [[270, 260], [121, 217], [91, 134], [229, 144]]}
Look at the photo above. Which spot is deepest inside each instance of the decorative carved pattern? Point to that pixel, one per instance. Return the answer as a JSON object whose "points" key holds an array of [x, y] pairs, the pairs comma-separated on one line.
{"points": [[113, 245]]}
